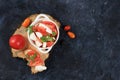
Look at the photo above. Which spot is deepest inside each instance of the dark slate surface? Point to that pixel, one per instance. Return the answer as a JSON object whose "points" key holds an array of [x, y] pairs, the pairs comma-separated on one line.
{"points": [[93, 55]]}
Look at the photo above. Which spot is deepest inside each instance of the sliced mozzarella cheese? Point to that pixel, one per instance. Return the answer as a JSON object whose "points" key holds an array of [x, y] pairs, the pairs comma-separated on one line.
{"points": [[40, 68], [44, 44], [46, 27], [37, 43], [39, 35], [32, 36]]}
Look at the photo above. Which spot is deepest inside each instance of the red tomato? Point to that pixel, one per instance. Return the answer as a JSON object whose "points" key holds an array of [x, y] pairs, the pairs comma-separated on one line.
{"points": [[67, 28], [54, 30], [49, 44], [71, 34], [26, 22], [40, 29], [31, 52], [50, 24], [34, 28], [37, 60], [17, 41]]}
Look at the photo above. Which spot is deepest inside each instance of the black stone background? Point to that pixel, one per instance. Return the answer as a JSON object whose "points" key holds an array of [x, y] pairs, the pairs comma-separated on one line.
{"points": [[93, 55]]}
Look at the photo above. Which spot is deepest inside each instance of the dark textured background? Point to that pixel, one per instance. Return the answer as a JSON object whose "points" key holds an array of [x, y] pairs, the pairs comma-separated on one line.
{"points": [[93, 55]]}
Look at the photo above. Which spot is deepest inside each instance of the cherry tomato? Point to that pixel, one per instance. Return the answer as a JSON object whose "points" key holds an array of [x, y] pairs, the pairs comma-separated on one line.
{"points": [[17, 41], [71, 34], [26, 22], [50, 44], [67, 28]]}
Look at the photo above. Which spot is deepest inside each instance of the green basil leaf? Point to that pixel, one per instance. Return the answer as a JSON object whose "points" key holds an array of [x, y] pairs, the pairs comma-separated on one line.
{"points": [[54, 33], [30, 29], [47, 38], [43, 39], [50, 39], [33, 57]]}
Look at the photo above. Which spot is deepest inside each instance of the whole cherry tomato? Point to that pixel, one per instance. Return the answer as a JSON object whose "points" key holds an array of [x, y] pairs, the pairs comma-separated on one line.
{"points": [[67, 28], [17, 41], [71, 34]]}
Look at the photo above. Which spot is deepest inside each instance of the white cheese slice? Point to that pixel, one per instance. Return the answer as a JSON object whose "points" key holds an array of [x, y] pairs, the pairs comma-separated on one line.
{"points": [[40, 68], [46, 27], [44, 44], [39, 35], [32, 36]]}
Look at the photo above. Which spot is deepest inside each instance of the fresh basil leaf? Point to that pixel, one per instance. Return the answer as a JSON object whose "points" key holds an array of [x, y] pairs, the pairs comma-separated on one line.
{"points": [[43, 39], [33, 57], [50, 38], [54, 33], [30, 29], [46, 38]]}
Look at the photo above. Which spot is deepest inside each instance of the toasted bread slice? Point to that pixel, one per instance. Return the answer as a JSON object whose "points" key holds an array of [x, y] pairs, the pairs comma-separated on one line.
{"points": [[21, 53]]}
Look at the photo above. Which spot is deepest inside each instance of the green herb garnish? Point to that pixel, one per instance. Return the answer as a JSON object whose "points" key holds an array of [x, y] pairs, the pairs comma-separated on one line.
{"points": [[33, 56], [47, 38], [43, 39], [54, 33], [30, 29]]}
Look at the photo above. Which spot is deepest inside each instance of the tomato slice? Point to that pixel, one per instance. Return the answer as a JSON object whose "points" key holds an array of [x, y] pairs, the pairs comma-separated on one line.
{"points": [[40, 29], [34, 58], [38, 61], [50, 43], [50, 24], [31, 53]]}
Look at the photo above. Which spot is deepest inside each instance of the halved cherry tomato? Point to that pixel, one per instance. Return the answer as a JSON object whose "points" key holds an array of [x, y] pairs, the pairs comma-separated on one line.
{"points": [[17, 41], [50, 43], [26, 22]]}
